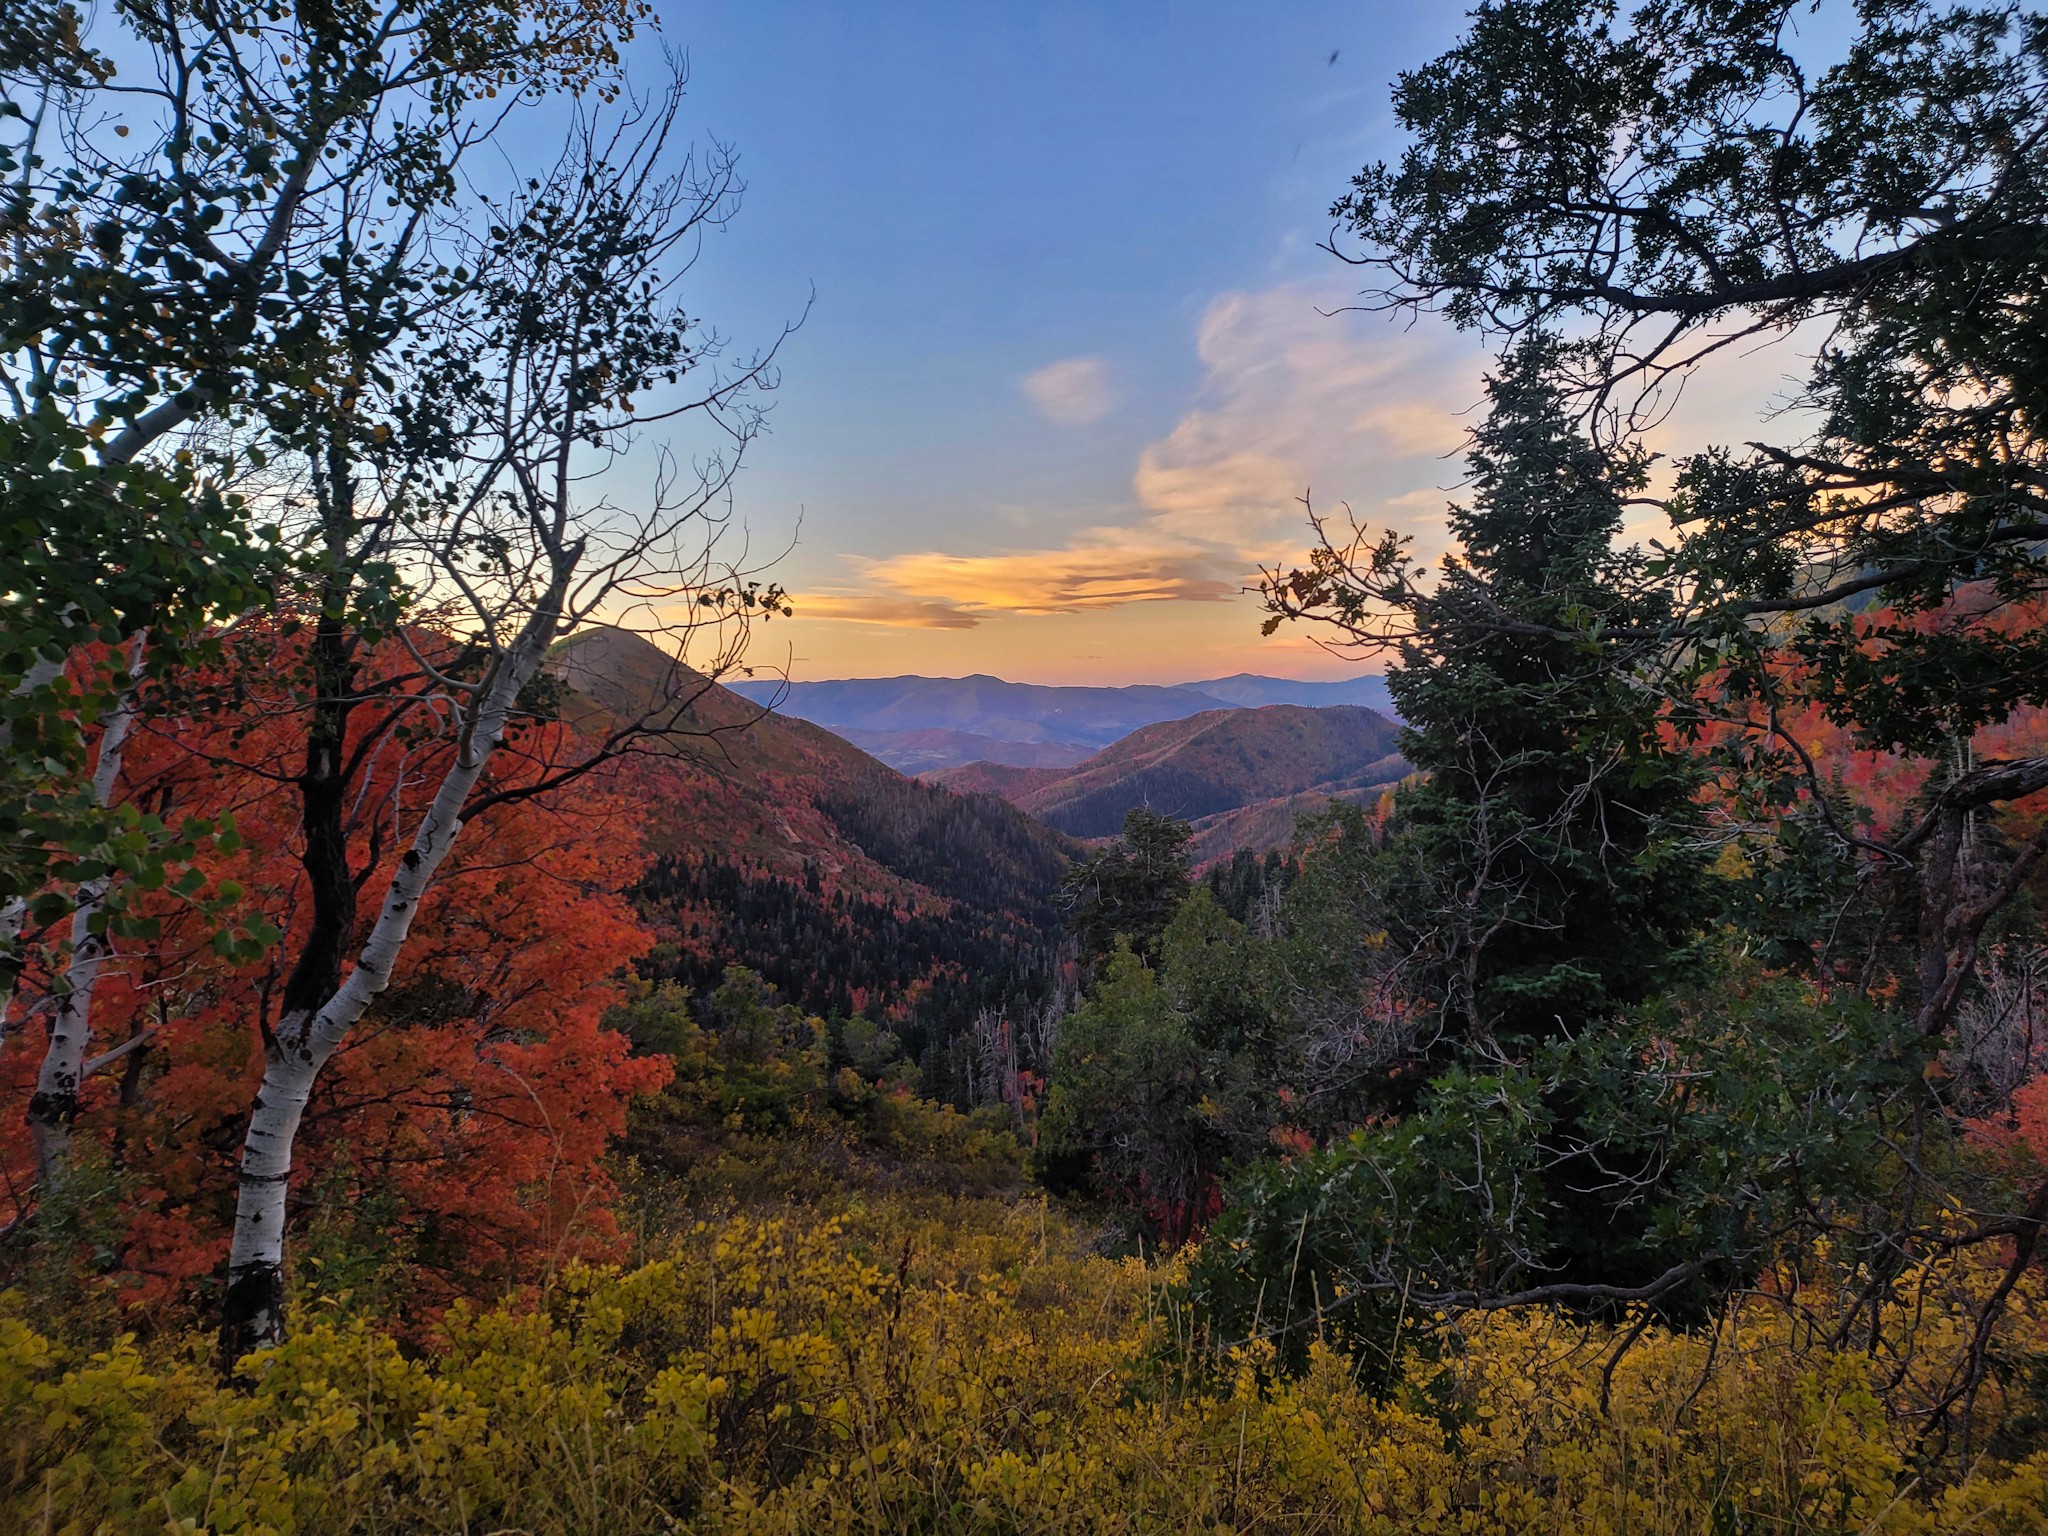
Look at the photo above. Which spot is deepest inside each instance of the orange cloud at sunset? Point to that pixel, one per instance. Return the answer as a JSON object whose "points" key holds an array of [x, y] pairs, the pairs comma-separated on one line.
{"points": [[882, 608], [1103, 572]]}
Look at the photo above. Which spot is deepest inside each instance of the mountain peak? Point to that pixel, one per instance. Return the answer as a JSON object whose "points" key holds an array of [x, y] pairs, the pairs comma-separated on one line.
{"points": [[1241, 776], [1024, 724]]}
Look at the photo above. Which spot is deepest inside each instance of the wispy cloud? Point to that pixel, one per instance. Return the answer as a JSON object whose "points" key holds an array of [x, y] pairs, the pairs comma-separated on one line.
{"points": [[1212, 491], [1296, 402], [1293, 401], [1415, 429], [1073, 391], [883, 608], [1107, 571]]}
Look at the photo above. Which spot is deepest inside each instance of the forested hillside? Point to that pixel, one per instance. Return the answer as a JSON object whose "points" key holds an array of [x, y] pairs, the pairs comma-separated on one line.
{"points": [[1240, 776], [849, 887], [935, 747]]}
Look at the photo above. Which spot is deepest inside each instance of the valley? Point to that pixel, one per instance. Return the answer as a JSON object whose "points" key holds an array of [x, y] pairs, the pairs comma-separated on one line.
{"points": [[926, 902], [846, 885]]}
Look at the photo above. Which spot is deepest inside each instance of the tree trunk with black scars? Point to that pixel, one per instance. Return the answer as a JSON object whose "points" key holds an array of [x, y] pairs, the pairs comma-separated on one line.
{"points": [[1954, 908], [307, 1034]]}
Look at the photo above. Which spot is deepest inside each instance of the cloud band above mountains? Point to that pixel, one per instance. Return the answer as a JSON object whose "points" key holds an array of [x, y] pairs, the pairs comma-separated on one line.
{"points": [[1293, 400]]}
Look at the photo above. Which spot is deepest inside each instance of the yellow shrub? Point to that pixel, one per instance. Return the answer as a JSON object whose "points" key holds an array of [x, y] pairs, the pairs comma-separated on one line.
{"points": [[964, 1369]]}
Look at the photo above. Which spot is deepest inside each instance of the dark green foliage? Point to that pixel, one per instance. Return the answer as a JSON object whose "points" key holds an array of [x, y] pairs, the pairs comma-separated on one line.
{"points": [[43, 40], [983, 933], [1546, 869], [1339, 1242], [840, 953], [1799, 896], [1222, 980], [1732, 1119], [91, 555], [1106, 812], [1135, 1101], [769, 1100], [1249, 884], [1571, 1108], [966, 848], [1514, 1126], [760, 1057], [1170, 1075], [1898, 196], [1131, 889]]}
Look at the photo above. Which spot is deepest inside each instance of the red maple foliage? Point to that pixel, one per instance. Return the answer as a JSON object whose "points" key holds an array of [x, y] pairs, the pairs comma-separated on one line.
{"points": [[1888, 785], [457, 1137], [2019, 1137]]}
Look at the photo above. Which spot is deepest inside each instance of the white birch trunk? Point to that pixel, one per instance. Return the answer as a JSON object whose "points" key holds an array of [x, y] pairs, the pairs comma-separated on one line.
{"points": [[55, 1104], [40, 674], [254, 1310]]}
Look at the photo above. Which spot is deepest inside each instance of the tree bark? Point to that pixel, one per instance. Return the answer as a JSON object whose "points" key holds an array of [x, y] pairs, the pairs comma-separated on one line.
{"points": [[305, 1037], [14, 911], [1951, 923], [54, 1107], [323, 818], [13, 918]]}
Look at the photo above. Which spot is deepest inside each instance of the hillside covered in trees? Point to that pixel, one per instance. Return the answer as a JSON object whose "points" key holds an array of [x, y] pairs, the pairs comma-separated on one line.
{"points": [[850, 888], [1242, 777], [474, 1072]]}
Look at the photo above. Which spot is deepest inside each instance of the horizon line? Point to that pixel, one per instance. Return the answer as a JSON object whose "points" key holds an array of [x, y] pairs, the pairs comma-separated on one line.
{"points": [[928, 677]]}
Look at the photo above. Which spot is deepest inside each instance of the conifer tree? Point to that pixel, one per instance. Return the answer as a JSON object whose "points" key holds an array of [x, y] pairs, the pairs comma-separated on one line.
{"points": [[1131, 889], [1543, 875], [1546, 865]]}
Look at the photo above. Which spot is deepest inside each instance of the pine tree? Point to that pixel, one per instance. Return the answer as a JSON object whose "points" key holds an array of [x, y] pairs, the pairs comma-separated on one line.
{"points": [[1546, 865], [1131, 889]]}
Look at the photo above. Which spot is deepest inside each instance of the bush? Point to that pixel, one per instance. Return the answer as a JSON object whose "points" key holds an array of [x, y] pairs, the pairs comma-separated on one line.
{"points": [[968, 1372]]}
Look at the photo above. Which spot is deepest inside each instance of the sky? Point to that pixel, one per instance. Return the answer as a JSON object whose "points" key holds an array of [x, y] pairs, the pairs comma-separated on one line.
{"points": [[1070, 358]]}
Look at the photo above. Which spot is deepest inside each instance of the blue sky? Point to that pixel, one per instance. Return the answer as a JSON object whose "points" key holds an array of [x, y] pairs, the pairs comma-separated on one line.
{"points": [[1065, 374]]}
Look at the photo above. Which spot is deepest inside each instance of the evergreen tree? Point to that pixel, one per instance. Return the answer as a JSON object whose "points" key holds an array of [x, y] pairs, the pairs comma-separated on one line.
{"points": [[1546, 867], [1131, 889], [1543, 875]]}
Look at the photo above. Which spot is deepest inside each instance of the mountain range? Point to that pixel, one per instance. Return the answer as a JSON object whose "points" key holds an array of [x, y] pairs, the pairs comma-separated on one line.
{"points": [[777, 845], [1240, 776], [926, 724]]}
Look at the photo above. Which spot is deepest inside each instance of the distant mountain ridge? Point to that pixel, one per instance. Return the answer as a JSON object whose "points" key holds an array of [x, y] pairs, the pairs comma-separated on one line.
{"points": [[780, 846], [935, 747], [1239, 775], [926, 724], [1249, 690]]}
